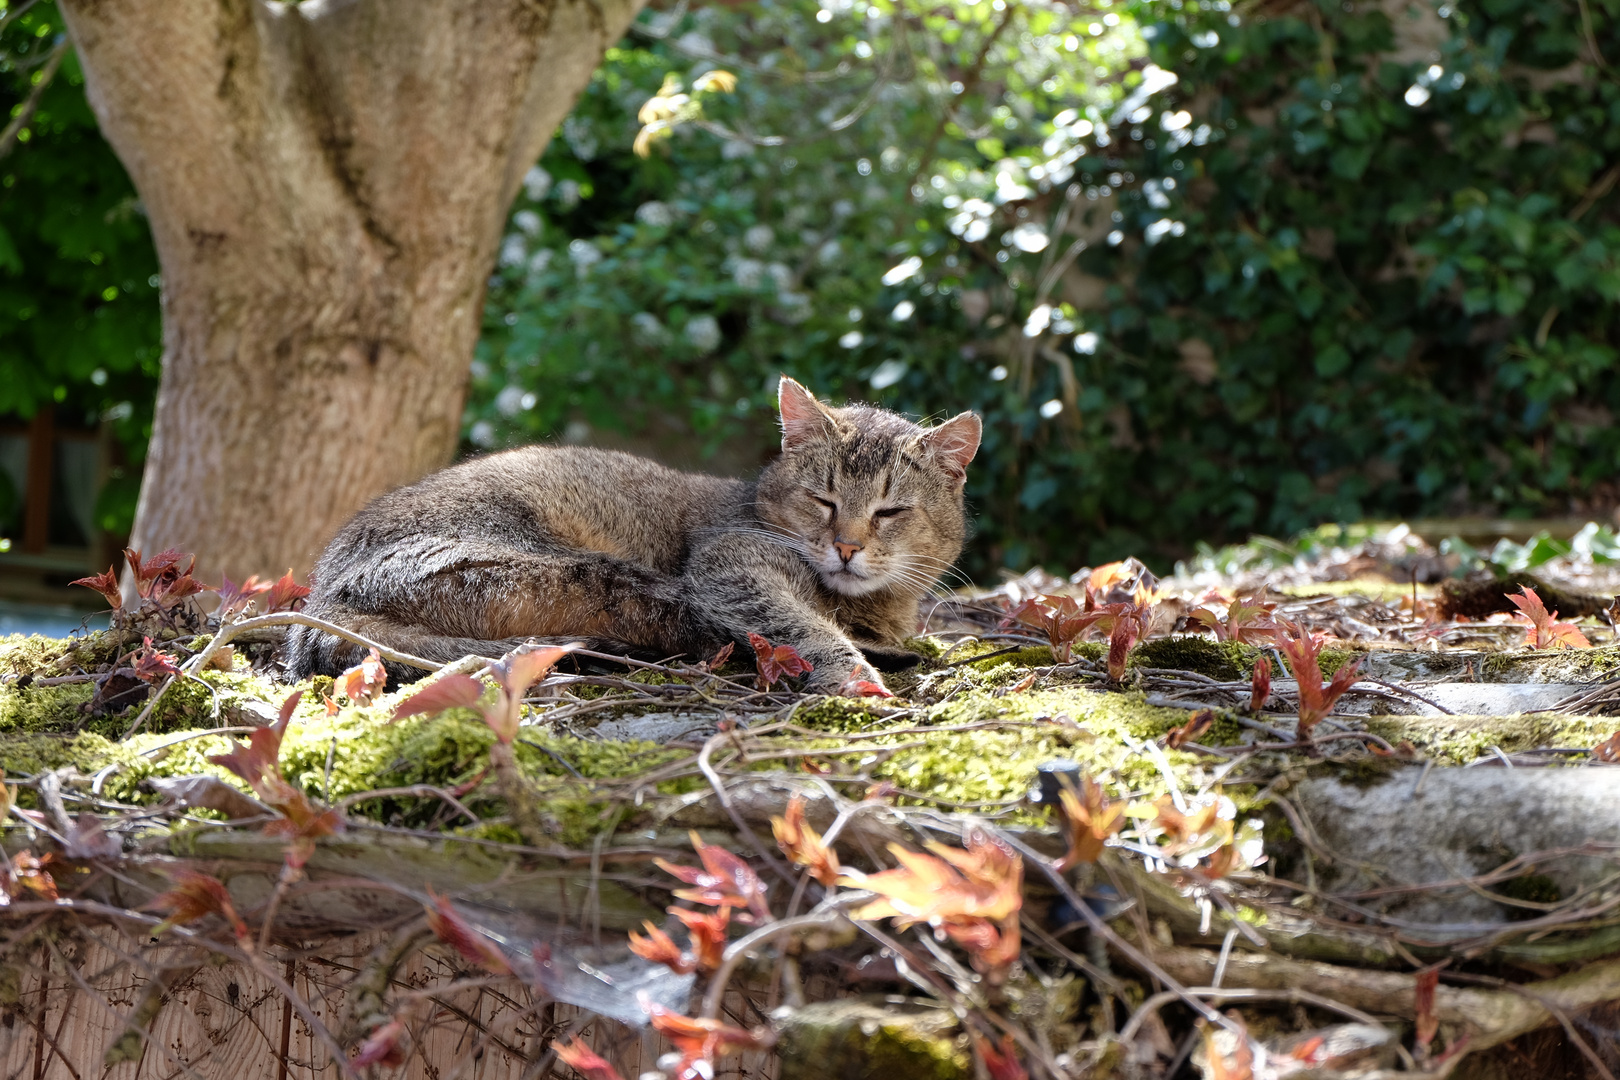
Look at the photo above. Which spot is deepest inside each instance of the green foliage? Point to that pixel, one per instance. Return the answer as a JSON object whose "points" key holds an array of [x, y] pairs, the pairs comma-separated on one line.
{"points": [[79, 324], [1311, 281]]}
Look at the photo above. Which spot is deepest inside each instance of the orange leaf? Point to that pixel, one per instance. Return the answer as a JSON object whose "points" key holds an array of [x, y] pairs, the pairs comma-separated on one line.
{"points": [[1089, 819], [1240, 1066], [26, 871], [725, 880], [364, 683], [583, 1060], [660, 948], [1608, 749], [983, 881], [1545, 631], [1316, 700], [709, 931], [234, 598], [702, 1039], [802, 844]]}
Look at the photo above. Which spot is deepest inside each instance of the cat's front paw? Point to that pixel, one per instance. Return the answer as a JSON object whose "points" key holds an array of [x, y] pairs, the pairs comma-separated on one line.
{"points": [[858, 680]]}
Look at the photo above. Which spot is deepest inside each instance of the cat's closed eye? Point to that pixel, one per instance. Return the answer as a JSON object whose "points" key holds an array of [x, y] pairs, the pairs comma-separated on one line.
{"points": [[889, 512], [828, 505]]}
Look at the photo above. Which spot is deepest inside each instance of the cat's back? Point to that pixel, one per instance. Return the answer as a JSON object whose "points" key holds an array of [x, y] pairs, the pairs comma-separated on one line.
{"points": [[543, 497]]}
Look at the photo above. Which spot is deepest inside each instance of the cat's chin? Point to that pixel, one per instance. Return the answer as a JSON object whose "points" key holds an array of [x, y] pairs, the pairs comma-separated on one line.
{"points": [[842, 581]]}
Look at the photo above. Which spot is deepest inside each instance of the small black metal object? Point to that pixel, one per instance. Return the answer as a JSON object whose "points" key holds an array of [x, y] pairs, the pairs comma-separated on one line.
{"points": [[1052, 777]]}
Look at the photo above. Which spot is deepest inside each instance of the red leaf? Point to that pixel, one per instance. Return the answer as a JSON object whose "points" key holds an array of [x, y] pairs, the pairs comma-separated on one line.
{"points": [[364, 683], [709, 934], [1428, 1024], [583, 1060], [105, 584], [777, 662], [173, 586], [1608, 749], [149, 571], [384, 1046], [152, 665], [1259, 684], [286, 594], [660, 948], [718, 660], [1130, 625], [1545, 631], [1001, 1062], [856, 686], [1316, 700], [725, 880], [195, 896], [451, 928], [234, 598], [701, 1040], [449, 692], [1089, 819]]}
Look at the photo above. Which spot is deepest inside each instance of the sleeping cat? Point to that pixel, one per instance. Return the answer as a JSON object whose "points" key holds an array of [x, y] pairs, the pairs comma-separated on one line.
{"points": [[828, 552]]}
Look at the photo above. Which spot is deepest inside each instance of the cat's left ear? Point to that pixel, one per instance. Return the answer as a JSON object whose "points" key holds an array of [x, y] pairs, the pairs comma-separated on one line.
{"points": [[804, 419], [954, 443]]}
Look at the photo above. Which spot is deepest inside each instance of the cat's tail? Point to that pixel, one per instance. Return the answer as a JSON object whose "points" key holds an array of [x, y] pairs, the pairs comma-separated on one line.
{"points": [[311, 651]]}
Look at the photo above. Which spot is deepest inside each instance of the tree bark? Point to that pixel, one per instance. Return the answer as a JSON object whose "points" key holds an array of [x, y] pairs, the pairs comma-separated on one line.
{"points": [[327, 184]]}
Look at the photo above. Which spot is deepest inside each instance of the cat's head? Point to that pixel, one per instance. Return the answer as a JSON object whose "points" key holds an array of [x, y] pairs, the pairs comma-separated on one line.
{"points": [[870, 499]]}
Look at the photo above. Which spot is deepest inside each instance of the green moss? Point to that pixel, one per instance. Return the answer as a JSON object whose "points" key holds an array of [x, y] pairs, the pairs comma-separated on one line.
{"points": [[1457, 740], [1227, 660], [1551, 665], [34, 709]]}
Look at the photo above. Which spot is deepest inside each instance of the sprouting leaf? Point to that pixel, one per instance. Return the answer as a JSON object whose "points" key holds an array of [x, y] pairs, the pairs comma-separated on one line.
{"points": [[1607, 750], [234, 598], [1316, 700], [1089, 819], [992, 947], [258, 763], [723, 881], [196, 895], [1259, 684], [385, 1046], [709, 931], [718, 660], [660, 948], [1000, 1061], [1130, 623], [1545, 631], [175, 585], [365, 682], [450, 927], [152, 665], [105, 584], [1059, 618], [145, 573], [982, 881], [583, 1060], [447, 692], [285, 595], [1200, 722], [1199, 831], [802, 844], [777, 662]]}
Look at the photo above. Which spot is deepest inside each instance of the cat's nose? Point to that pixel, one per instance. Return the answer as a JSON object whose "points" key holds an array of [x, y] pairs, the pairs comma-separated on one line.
{"points": [[846, 551]]}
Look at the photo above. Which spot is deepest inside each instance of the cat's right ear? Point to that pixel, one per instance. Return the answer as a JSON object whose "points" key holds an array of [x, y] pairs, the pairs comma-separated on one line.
{"points": [[804, 419]]}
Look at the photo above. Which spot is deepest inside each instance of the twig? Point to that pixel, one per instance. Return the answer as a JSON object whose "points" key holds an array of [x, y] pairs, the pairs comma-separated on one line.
{"points": [[747, 833], [8, 137], [738, 949]]}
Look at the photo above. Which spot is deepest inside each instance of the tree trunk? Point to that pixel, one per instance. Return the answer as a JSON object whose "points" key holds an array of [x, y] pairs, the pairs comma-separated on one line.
{"points": [[327, 184]]}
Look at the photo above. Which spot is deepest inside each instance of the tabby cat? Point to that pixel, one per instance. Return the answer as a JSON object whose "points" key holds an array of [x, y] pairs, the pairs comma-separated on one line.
{"points": [[829, 552]]}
